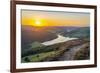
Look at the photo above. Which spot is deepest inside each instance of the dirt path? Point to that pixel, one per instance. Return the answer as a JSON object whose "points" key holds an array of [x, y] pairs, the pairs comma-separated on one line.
{"points": [[69, 55]]}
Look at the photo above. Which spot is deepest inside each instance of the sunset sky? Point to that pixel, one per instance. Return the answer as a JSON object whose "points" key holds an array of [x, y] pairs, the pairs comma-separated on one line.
{"points": [[50, 18]]}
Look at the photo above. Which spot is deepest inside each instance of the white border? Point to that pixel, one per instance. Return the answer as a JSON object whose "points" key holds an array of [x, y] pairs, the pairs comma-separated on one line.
{"points": [[20, 65]]}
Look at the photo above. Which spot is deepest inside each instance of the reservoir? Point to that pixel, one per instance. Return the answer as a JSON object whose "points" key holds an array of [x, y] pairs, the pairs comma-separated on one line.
{"points": [[59, 39]]}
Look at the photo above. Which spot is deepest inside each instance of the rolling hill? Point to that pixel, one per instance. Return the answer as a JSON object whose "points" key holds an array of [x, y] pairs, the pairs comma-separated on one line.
{"points": [[83, 32]]}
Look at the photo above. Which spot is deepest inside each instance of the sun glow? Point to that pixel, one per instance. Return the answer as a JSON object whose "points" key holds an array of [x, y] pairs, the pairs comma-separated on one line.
{"points": [[38, 23]]}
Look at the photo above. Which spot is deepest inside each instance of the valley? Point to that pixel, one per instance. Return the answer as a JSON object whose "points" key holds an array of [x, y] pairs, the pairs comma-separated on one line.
{"points": [[55, 44]]}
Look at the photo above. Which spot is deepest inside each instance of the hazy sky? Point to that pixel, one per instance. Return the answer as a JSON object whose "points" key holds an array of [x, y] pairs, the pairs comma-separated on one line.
{"points": [[50, 18]]}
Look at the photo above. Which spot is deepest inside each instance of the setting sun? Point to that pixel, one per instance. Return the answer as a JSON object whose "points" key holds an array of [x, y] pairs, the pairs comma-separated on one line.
{"points": [[38, 23]]}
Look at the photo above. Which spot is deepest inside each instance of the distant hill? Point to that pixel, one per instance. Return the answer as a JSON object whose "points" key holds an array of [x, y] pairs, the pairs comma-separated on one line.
{"points": [[30, 34], [83, 32]]}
